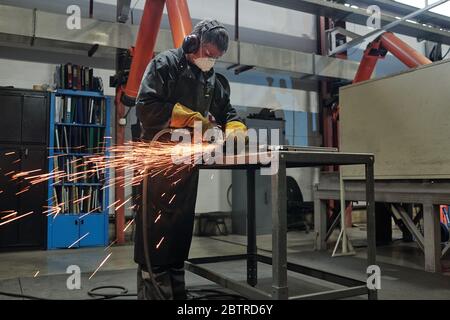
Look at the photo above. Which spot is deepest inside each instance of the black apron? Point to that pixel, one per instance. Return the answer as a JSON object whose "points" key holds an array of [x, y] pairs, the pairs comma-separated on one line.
{"points": [[170, 236]]}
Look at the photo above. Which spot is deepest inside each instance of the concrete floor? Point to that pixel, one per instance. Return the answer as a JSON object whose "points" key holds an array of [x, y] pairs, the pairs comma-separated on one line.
{"points": [[401, 266]]}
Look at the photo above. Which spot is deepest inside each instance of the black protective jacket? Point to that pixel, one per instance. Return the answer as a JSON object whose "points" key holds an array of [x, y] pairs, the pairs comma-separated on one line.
{"points": [[171, 79]]}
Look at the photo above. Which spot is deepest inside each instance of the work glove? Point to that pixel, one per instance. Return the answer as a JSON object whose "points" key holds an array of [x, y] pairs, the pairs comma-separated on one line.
{"points": [[238, 131], [183, 117], [236, 128]]}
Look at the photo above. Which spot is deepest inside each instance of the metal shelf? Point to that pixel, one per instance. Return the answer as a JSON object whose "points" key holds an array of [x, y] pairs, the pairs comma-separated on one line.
{"points": [[80, 125], [79, 214], [63, 231], [76, 154], [74, 184], [79, 93]]}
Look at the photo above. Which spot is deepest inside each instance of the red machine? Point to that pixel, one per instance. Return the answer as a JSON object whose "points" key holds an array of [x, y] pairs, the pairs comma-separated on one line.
{"points": [[128, 86]]}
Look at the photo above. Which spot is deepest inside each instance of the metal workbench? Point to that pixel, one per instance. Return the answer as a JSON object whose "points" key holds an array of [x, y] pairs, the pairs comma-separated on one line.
{"points": [[280, 265], [429, 193]]}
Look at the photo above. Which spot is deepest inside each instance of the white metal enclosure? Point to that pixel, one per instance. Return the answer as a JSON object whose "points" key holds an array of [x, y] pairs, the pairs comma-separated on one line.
{"points": [[404, 120]]}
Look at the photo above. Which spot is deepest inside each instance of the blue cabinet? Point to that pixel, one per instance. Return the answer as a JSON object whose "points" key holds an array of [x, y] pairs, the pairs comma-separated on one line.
{"points": [[89, 230], [74, 231], [79, 128], [63, 231]]}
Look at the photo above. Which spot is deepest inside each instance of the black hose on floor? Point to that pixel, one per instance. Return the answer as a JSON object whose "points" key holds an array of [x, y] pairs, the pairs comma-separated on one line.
{"points": [[195, 294]]}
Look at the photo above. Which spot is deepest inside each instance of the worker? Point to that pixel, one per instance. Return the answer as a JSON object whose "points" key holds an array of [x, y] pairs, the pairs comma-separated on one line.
{"points": [[179, 87]]}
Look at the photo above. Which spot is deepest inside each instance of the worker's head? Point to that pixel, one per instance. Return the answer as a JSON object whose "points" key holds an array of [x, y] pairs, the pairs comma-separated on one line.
{"points": [[207, 42]]}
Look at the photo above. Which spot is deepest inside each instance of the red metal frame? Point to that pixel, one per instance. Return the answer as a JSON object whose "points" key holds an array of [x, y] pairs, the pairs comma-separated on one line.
{"points": [[179, 19], [142, 53], [378, 49], [145, 44]]}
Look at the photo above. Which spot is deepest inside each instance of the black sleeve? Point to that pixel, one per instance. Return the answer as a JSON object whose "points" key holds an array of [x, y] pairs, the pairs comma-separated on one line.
{"points": [[222, 109], [153, 108]]}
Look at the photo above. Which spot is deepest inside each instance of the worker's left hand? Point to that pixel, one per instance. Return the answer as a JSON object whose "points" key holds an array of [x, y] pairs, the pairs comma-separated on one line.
{"points": [[236, 130]]}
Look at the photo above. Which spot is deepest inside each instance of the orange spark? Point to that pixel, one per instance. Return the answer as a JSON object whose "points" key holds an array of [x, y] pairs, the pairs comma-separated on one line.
{"points": [[120, 206], [23, 190], [128, 225], [101, 264], [9, 215], [78, 240], [113, 204], [159, 243], [88, 213], [172, 198], [25, 173], [81, 199], [16, 218], [110, 245]]}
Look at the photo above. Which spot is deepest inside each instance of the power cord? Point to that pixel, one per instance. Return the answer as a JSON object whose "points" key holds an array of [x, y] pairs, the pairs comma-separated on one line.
{"points": [[193, 294]]}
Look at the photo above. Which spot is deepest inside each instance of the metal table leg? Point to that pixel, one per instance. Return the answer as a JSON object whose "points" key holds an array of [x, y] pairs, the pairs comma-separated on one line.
{"points": [[252, 271], [320, 223], [279, 233], [371, 236], [432, 238]]}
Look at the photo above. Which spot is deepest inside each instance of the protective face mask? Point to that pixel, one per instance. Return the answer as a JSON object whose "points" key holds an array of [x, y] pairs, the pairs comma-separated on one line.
{"points": [[205, 64]]}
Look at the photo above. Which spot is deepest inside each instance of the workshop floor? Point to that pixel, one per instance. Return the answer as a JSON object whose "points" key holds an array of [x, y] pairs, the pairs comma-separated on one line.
{"points": [[401, 266]]}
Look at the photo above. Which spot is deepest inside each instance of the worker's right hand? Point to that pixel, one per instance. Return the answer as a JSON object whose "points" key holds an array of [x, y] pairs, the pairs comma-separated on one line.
{"points": [[183, 117]]}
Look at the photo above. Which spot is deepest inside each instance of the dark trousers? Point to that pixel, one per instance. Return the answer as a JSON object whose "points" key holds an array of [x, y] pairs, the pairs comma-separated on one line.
{"points": [[170, 282]]}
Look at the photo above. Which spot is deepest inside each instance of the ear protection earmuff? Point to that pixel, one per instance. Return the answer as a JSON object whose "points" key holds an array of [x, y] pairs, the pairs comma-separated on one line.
{"points": [[191, 43]]}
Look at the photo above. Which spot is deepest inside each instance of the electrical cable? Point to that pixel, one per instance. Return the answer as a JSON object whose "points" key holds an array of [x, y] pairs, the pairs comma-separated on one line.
{"points": [[91, 293], [148, 263], [124, 293], [145, 237], [214, 293]]}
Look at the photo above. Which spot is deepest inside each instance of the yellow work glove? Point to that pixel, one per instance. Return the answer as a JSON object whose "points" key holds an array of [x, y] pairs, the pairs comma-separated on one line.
{"points": [[183, 117], [236, 130], [236, 127]]}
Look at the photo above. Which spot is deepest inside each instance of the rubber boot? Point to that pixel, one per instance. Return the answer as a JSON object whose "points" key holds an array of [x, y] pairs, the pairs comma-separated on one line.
{"points": [[146, 287], [178, 283]]}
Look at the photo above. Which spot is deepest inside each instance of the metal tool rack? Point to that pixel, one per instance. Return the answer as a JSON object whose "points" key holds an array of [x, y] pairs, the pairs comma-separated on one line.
{"points": [[280, 265]]}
